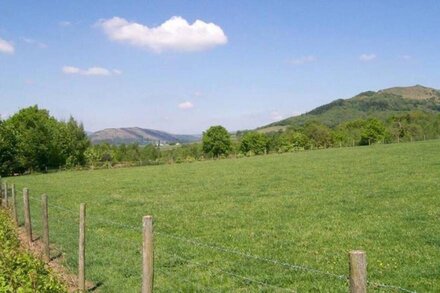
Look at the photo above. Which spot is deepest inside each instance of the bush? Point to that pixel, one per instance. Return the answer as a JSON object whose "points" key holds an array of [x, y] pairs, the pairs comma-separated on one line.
{"points": [[253, 142], [19, 270]]}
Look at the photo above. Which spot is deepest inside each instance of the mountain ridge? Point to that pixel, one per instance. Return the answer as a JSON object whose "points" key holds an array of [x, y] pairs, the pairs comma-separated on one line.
{"points": [[142, 136], [370, 104]]}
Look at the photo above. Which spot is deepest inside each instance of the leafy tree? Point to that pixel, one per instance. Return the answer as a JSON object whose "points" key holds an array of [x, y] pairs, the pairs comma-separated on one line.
{"points": [[254, 142], [8, 150], [216, 141], [373, 131], [33, 140], [36, 144], [319, 134], [72, 143]]}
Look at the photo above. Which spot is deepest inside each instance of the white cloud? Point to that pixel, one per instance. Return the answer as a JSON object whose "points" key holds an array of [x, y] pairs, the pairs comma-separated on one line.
{"points": [[6, 47], [303, 60], [275, 116], [71, 70], [186, 105], [34, 42], [406, 57], [64, 23], [95, 71], [198, 93], [367, 57], [175, 34]]}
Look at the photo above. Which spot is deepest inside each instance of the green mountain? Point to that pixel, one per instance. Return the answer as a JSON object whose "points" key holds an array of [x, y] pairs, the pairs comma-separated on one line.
{"points": [[381, 104]]}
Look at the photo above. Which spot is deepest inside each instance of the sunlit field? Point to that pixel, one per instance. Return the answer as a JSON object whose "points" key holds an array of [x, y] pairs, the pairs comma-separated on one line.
{"points": [[268, 223]]}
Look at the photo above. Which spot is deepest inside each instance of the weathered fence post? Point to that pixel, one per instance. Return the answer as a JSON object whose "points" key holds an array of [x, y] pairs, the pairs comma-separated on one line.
{"points": [[45, 215], [5, 189], [81, 250], [358, 271], [27, 215], [1, 191], [147, 255], [14, 205]]}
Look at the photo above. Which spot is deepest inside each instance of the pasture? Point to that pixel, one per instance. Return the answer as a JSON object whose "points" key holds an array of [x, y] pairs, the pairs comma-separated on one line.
{"points": [[268, 223]]}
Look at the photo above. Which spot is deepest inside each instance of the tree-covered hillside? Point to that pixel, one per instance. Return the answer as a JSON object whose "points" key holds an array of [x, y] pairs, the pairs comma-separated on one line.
{"points": [[382, 105]]}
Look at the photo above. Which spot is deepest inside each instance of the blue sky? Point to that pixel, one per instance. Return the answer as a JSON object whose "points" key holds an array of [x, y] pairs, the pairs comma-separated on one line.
{"points": [[243, 65]]}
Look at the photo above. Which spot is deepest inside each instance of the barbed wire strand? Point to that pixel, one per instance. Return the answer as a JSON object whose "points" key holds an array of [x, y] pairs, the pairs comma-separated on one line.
{"points": [[391, 287], [186, 280], [234, 251], [218, 270]]}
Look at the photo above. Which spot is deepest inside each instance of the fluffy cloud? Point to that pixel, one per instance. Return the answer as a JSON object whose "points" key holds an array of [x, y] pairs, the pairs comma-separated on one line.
{"points": [[175, 34], [96, 71], [367, 57], [34, 42], [6, 47], [303, 60], [186, 105]]}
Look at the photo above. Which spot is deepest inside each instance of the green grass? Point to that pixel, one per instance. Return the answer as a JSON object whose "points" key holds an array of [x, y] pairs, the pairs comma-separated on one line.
{"points": [[308, 208]]}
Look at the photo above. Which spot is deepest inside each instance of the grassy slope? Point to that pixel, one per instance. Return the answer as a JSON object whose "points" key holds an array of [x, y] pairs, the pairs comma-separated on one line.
{"points": [[306, 208]]}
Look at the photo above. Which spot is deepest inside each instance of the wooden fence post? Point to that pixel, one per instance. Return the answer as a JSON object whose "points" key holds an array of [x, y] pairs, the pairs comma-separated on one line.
{"points": [[14, 205], [147, 255], [45, 214], [5, 189], [81, 250], [27, 215], [358, 271]]}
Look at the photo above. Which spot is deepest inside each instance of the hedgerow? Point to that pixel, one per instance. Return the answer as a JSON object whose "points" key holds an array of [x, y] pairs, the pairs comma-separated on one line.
{"points": [[20, 271]]}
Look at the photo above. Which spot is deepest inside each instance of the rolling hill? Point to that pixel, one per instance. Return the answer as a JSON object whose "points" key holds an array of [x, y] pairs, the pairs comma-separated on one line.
{"points": [[138, 135], [380, 104]]}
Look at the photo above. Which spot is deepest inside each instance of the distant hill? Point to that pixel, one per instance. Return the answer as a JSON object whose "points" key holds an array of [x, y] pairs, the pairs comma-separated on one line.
{"points": [[380, 104], [138, 135]]}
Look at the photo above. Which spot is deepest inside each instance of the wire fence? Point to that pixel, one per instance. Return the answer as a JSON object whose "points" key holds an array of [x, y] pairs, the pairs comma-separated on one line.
{"points": [[103, 231]]}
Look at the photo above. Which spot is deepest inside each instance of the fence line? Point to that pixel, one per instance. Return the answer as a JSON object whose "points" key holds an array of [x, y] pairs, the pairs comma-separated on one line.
{"points": [[186, 280], [199, 244], [218, 270], [217, 247]]}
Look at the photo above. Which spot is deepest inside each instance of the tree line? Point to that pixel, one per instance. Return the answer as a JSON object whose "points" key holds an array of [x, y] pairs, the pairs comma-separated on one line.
{"points": [[33, 140]]}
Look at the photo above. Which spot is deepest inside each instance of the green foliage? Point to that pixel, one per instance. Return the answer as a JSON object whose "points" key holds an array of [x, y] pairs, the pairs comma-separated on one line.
{"points": [[32, 140], [216, 141], [372, 132], [380, 105], [19, 270], [254, 142], [319, 134]]}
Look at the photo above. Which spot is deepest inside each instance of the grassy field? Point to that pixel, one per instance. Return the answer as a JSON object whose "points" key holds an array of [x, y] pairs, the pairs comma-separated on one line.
{"points": [[240, 224]]}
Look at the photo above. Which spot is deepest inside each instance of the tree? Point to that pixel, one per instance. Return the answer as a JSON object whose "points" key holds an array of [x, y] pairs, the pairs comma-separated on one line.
{"points": [[319, 134], [8, 150], [72, 142], [216, 141], [33, 140], [373, 131], [36, 144], [255, 142]]}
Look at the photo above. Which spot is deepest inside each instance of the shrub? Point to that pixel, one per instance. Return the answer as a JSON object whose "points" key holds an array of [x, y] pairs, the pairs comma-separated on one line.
{"points": [[19, 270]]}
